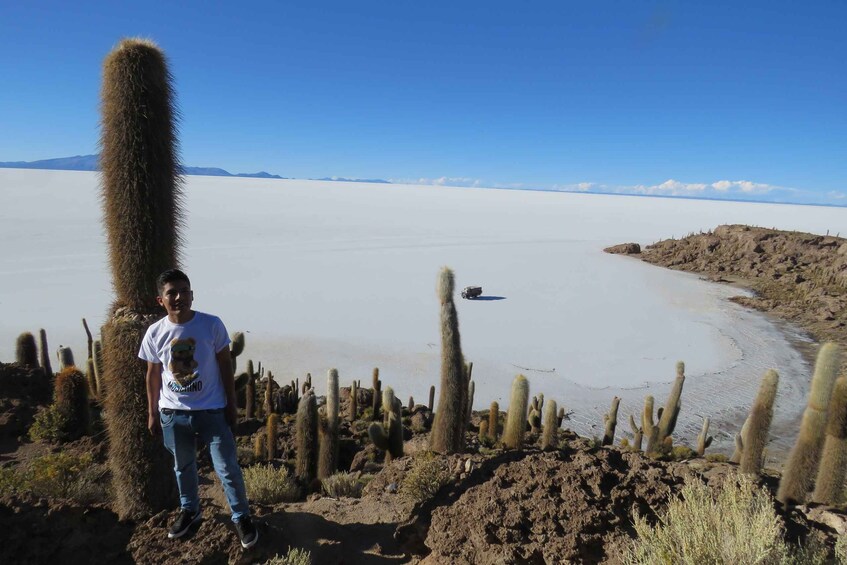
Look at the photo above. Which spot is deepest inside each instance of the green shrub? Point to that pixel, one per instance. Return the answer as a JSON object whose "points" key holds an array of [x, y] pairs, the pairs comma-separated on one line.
{"points": [[717, 458], [295, 556], [342, 484], [49, 426], [735, 523], [58, 475], [426, 476], [268, 485]]}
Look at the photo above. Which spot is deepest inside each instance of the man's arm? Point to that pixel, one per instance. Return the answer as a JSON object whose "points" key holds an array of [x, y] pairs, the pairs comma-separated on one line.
{"points": [[154, 388], [228, 382]]}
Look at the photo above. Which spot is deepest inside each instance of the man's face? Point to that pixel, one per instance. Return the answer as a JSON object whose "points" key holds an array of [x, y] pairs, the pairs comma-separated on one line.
{"points": [[176, 298]]}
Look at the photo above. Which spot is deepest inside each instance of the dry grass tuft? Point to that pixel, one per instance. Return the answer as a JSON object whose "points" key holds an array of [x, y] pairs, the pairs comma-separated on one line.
{"points": [[342, 484], [735, 523], [58, 475], [294, 556], [427, 475], [268, 485]]}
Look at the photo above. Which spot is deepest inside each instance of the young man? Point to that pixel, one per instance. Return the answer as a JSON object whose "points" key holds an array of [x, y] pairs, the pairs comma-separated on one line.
{"points": [[191, 392]]}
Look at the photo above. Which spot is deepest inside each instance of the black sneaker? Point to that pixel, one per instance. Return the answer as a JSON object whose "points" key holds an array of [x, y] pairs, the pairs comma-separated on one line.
{"points": [[247, 532], [183, 523]]}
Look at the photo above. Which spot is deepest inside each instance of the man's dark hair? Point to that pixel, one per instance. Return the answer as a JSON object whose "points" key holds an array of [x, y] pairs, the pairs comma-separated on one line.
{"points": [[169, 276]]}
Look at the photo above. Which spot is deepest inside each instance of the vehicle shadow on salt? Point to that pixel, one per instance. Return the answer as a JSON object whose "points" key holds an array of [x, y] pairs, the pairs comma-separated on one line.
{"points": [[478, 298]]}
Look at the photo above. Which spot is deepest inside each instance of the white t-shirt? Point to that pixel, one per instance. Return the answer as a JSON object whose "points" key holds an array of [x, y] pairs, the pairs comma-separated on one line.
{"points": [[191, 378]]}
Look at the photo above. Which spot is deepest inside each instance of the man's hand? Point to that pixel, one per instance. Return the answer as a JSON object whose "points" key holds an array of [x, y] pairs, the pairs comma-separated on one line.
{"points": [[153, 424], [231, 415]]}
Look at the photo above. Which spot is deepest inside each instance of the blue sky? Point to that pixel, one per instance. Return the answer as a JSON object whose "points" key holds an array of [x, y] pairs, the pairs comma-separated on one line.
{"points": [[725, 99]]}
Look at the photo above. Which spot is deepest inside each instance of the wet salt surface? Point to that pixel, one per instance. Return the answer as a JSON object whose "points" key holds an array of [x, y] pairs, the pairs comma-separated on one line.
{"points": [[323, 274]]}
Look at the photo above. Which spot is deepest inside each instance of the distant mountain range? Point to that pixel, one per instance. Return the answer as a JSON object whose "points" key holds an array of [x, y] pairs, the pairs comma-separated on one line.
{"points": [[89, 163]]}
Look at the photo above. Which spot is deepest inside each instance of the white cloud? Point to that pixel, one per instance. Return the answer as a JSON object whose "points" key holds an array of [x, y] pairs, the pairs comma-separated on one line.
{"points": [[442, 181], [837, 195]]}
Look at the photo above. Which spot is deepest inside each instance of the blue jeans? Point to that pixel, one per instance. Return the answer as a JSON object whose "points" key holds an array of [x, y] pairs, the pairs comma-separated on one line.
{"points": [[179, 428]]}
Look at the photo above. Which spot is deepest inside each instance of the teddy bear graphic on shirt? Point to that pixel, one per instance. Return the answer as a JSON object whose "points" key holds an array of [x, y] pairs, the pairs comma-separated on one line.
{"points": [[183, 365]]}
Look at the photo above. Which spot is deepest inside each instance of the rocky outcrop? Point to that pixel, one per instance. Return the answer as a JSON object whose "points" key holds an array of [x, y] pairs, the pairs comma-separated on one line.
{"points": [[624, 249]]}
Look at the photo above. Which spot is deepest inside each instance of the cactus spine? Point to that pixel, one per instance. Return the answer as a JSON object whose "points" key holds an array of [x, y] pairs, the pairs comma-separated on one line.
{"points": [[611, 421], [513, 434], [829, 486], [704, 440], [44, 354], [448, 428], [802, 463], [26, 353], [754, 435], [549, 436], [71, 401], [307, 431], [141, 192], [493, 420], [667, 421], [272, 429], [328, 429]]}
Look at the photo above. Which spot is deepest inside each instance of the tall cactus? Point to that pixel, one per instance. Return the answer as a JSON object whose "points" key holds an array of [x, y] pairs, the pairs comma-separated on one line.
{"points": [[513, 433], [431, 404], [377, 394], [667, 422], [71, 402], [44, 353], [610, 420], [141, 200], [26, 353], [549, 435], [704, 440], [354, 401], [328, 429], [236, 348], [250, 392], [755, 432], [389, 435], [448, 428], [637, 433], [305, 465], [271, 431], [829, 486], [650, 430], [493, 420], [799, 470], [66, 358]]}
